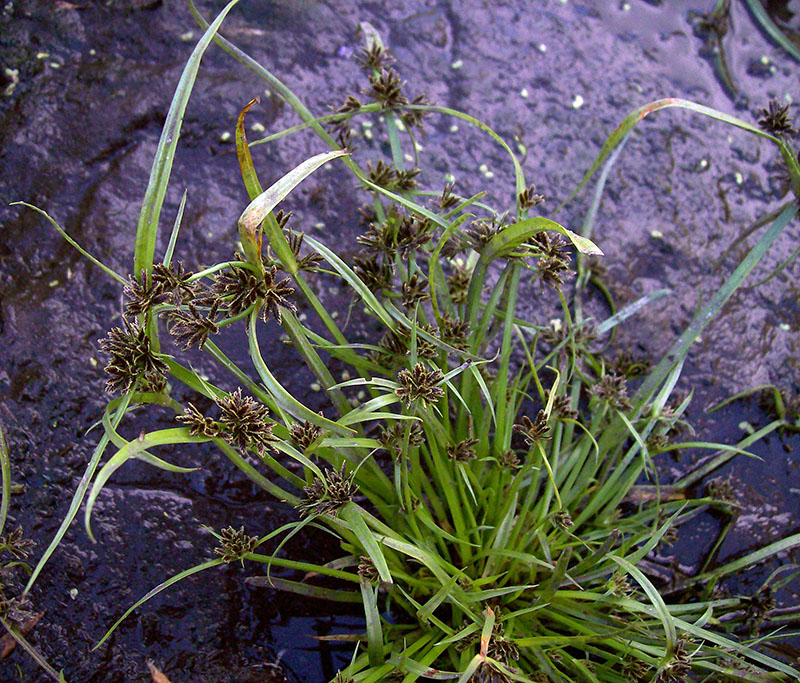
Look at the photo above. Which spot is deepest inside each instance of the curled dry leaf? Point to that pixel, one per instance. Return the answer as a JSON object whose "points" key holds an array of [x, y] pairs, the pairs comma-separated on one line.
{"points": [[7, 642]]}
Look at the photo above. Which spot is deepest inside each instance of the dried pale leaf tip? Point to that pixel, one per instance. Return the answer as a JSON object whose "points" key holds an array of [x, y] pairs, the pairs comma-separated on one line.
{"points": [[158, 677]]}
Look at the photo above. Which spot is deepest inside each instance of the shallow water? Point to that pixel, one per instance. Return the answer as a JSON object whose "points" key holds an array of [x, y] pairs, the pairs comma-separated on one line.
{"points": [[78, 133]]}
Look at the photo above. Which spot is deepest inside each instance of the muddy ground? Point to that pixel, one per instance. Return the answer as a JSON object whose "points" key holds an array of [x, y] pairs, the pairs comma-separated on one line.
{"points": [[87, 86]]}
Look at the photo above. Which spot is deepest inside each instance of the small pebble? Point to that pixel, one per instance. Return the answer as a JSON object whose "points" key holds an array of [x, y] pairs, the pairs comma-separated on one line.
{"points": [[738, 177], [656, 234], [187, 37], [524, 93], [784, 326], [315, 386], [454, 128], [577, 102], [457, 64], [225, 137], [541, 47], [258, 127]]}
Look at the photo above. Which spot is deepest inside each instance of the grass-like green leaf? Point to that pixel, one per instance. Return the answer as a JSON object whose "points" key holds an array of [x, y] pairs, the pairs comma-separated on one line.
{"points": [[147, 228]]}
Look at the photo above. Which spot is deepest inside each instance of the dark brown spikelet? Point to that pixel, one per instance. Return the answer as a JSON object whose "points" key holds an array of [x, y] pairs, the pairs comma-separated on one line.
{"points": [[245, 422], [141, 294], [458, 284], [174, 280], [378, 240], [412, 233], [392, 438], [414, 291], [386, 89], [405, 181], [419, 384], [678, 668], [415, 118], [234, 545], [533, 431], [376, 275], [481, 233], [350, 105], [454, 331], [463, 451], [613, 389], [553, 265], [367, 570], [636, 670], [190, 328], [310, 262], [132, 358], [275, 296], [376, 56], [340, 127], [16, 545], [529, 198], [562, 407], [381, 174], [563, 520], [237, 289], [447, 200], [775, 120], [303, 435], [329, 496], [509, 460], [199, 424], [553, 271]]}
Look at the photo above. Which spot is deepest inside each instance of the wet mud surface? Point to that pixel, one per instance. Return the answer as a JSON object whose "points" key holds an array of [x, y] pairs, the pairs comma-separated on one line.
{"points": [[87, 86]]}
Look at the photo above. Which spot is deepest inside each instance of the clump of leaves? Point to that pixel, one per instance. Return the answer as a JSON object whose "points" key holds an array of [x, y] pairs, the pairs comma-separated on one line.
{"points": [[482, 487]]}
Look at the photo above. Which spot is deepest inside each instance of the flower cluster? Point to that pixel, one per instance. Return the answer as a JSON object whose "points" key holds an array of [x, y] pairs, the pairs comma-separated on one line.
{"points": [[239, 288], [775, 120], [132, 358], [328, 496], [304, 435], [533, 430], [243, 422], [419, 384], [463, 451], [234, 545], [612, 389]]}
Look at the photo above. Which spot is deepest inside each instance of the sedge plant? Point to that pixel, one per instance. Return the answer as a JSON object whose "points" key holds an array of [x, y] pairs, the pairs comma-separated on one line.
{"points": [[491, 482]]}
